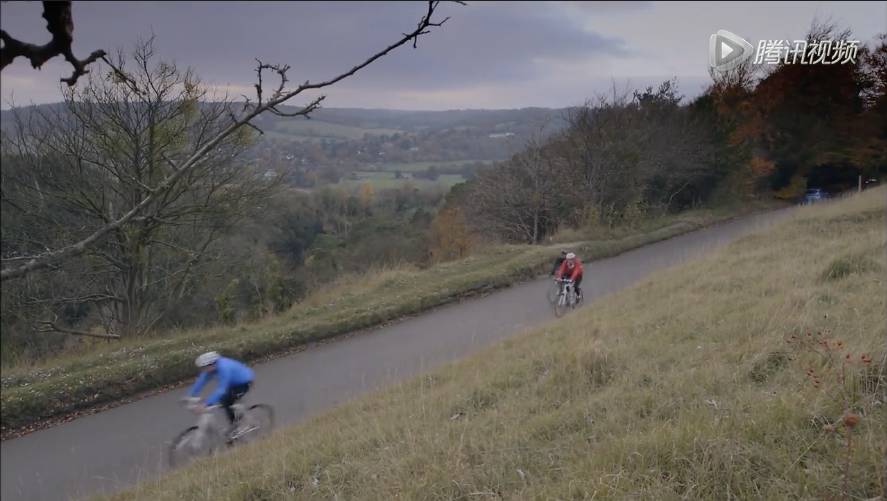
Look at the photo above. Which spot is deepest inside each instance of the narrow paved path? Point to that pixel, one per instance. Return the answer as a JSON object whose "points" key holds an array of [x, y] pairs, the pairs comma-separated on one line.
{"points": [[115, 448]]}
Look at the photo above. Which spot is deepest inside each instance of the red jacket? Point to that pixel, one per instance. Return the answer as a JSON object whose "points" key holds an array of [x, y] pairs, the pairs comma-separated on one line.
{"points": [[564, 272]]}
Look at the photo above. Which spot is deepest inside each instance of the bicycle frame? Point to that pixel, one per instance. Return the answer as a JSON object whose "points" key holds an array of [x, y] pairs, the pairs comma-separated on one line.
{"points": [[566, 295], [207, 421]]}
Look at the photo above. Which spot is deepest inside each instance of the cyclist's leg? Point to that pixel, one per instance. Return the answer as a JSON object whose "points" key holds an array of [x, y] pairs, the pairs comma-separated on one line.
{"points": [[227, 401], [234, 394], [240, 390], [578, 283]]}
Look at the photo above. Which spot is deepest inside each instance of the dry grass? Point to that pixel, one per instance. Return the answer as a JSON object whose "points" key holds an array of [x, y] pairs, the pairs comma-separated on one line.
{"points": [[681, 387], [111, 372]]}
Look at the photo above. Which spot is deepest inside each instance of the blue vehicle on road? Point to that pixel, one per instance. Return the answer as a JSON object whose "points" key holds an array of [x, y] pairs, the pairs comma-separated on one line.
{"points": [[814, 195]]}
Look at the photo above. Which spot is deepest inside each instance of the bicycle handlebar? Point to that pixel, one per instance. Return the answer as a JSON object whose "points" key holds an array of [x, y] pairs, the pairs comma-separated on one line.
{"points": [[193, 405]]}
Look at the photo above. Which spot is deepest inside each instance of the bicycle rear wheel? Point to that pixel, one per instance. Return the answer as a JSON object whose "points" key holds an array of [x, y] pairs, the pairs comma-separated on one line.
{"points": [[256, 422], [189, 445]]}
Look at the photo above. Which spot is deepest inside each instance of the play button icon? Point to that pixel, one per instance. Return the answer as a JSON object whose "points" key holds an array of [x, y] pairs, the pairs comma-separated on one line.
{"points": [[727, 50]]}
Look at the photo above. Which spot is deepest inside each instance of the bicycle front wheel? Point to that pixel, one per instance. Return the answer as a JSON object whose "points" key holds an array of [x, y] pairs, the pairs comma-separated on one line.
{"points": [[560, 307], [191, 444], [256, 422], [552, 293]]}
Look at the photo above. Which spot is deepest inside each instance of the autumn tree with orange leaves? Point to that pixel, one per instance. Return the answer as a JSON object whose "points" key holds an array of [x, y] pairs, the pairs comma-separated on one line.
{"points": [[450, 236], [818, 125]]}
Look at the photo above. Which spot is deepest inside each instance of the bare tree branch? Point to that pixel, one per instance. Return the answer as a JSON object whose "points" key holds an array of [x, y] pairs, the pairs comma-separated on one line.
{"points": [[279, 97], [49, 326], [60, 24], [249, 124], [304, 112], [256, 128], [122, 76], [89, 298]]}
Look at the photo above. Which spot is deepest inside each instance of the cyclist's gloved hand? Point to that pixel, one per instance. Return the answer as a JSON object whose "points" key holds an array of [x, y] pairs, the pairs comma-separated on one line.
{"points": [[193, 404]]}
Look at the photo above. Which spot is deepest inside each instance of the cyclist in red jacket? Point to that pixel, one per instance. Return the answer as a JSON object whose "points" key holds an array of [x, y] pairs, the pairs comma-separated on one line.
{"points": [[571, 268]]}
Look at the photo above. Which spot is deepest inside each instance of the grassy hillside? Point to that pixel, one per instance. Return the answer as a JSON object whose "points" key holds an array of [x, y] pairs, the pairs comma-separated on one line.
{"points": [[110, 372], [687, 385]]}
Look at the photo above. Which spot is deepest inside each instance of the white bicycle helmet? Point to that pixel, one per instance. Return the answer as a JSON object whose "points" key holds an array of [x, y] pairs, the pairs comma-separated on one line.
{"points": [[571, 256], [207, 359]]}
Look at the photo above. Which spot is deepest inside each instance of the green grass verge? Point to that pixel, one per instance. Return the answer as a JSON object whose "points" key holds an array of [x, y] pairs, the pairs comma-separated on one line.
{"points": [[80, 381], [681, 387]]}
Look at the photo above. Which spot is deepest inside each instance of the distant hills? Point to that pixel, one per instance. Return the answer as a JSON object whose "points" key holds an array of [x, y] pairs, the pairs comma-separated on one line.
{"points": [[346, 123], [352, 123], [389, 147], [421, 120]]}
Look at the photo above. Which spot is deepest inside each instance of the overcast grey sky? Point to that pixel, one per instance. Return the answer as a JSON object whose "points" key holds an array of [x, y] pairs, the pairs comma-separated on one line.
{"points": [[488, 55]]}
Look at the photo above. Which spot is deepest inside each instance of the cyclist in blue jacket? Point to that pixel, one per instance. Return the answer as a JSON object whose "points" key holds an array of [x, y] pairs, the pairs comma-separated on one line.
{"points": [[233, 381]]}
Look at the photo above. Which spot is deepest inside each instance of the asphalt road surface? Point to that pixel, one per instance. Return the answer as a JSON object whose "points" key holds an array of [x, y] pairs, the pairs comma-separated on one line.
{"points": [[116, 448]]}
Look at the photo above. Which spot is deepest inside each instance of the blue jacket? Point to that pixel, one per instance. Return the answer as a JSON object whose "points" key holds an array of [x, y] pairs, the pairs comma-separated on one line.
{"points": [[229, 373]]}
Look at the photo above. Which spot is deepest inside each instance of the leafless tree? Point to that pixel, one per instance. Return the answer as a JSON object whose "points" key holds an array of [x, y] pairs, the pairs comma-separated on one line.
{"points": [[521, 199], [679, 150], [602, 152], [267, 99], [643, 148], [88, 162]]}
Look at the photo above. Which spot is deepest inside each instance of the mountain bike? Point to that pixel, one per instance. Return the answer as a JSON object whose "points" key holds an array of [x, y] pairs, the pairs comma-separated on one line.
{"points": [[210, 434], [566, 297]]}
